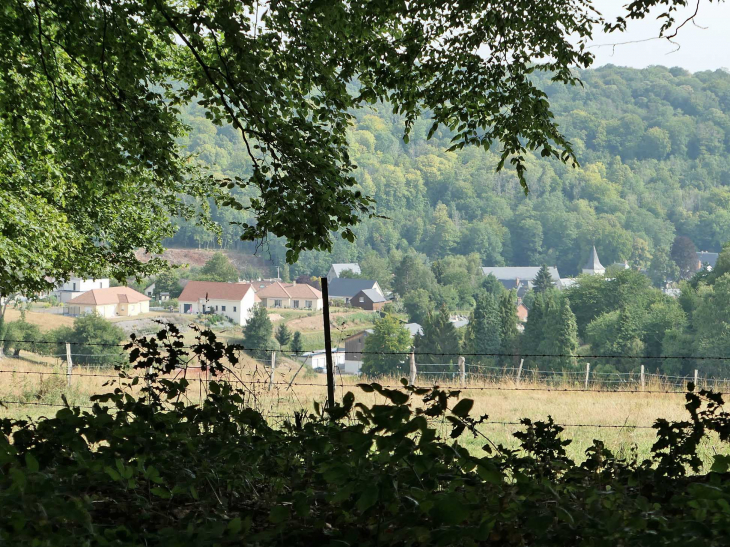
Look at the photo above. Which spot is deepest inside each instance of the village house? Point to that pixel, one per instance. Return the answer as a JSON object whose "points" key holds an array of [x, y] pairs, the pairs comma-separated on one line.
{"points": [[344, 290], [354, 346], [109, 302], [290, 295], [76, 286], [369, 299], [520, 278], [337, 269], [706, 258], [232, 300], [318, 359]]}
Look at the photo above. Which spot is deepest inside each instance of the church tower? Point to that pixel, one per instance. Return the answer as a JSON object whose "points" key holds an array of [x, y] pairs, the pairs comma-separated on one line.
{"points": [[594, 266]]}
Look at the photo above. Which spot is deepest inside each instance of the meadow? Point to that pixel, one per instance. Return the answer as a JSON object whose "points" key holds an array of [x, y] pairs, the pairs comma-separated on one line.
{"points": [[29, 388]]}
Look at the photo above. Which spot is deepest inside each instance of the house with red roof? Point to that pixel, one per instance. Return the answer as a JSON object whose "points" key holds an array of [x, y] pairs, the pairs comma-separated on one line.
{"points": [[110, 302], [232, 300], [290, 295]]}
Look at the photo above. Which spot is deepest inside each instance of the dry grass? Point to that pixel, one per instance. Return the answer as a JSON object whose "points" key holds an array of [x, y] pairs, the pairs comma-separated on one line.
{"points": [[45, 321], [44, 383]]}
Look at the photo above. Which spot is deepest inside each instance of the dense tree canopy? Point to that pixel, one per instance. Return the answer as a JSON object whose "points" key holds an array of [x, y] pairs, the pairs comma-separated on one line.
{"points": [[95, 161]]}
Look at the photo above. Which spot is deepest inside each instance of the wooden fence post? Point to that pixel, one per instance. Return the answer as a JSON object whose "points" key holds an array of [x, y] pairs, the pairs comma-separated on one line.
{"points": [[273, 368], [588, 373], [642, 378], [69, 364], [413, 368], [696, 378], [462, 371], [519, 371]]}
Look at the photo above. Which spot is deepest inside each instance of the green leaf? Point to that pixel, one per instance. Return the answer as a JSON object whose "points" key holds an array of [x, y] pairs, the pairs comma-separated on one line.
{"points": [[463, 408], [368, 498], [31, 463], [235, 526], [449, 510], [160, 492], [279, 514]]}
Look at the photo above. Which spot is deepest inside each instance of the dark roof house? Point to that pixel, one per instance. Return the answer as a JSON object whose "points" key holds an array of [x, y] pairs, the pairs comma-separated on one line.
{"points": [[369, 299], [345, 289]]}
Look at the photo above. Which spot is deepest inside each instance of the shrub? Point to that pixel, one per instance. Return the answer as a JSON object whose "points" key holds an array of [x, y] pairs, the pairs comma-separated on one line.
{"points": [[156, 470]]}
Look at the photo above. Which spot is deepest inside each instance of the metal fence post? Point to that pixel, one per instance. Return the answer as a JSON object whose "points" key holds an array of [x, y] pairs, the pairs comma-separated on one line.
{"points": [[696, 375], [462, 371], [588, 373], [413, 369], [519, 371], [69, 364], [273, 368], [328, 344]]}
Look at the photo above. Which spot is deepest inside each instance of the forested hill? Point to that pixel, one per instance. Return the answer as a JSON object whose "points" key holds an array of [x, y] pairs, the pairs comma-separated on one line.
{"points": [[653, 146]]}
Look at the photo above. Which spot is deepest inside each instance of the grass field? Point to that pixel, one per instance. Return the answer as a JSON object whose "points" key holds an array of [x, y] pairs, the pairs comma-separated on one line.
{"points": [[37, 382]]}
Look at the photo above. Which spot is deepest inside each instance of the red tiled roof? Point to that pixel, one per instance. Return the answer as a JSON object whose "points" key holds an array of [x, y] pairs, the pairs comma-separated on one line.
{"points": [[275, 290], [213, 290], [280, 290], [112, 295]]}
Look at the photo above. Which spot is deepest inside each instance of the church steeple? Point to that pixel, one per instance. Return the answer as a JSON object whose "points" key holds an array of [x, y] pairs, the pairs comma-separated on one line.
{"points": [[594, 266]]}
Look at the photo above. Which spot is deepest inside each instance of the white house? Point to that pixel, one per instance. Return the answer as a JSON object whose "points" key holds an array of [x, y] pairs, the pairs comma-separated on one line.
{"points": [[318, 359], [232, 300], [290, 295], [337, 269], [110, 302], [76, 286], [150, 291]]}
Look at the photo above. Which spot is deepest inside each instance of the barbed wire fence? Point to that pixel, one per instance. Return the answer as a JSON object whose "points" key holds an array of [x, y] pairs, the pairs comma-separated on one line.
{"points": [[272, 386]]}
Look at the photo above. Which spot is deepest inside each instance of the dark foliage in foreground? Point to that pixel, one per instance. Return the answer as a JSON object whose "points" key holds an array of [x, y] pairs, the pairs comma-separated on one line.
{"points": [[155, 470]]}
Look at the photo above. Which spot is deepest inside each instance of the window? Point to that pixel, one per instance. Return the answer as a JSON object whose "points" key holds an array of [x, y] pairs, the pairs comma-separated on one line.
{"points": [[74, 286], [234, 308], [216, 308], [308, 304], [362, 299], [296, 303], [100, 284], [223, 308], [277, 303]]}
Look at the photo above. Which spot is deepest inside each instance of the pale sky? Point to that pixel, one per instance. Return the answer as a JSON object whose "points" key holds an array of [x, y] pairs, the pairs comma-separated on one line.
{"points": [[701, 48]]}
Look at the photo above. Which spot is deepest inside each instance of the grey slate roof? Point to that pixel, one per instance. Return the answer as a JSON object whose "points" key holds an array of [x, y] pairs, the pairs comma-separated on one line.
{"points": [[347, 288], [707, 257], [593, 262], [374, 295], [414, 328], [523, 273], [354, 267]]}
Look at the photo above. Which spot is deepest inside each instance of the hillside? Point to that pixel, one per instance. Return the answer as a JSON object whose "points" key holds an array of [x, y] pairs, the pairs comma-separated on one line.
{"points": [[653, 146]]}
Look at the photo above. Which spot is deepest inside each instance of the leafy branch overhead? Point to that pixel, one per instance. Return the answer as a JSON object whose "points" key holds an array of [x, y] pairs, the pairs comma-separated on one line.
{"points": [[90, 133]]}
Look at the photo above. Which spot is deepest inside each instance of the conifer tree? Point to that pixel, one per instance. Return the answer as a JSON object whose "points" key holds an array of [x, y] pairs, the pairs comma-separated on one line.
{"points": [[297, 346], [543, 280], [508, 332], [283, 335], [483, 332], [534, 328], [561, 336], [257, 333], [439, 342]]}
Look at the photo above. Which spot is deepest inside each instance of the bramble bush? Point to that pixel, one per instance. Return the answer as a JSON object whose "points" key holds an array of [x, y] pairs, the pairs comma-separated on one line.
{"points": [[154, 470]]}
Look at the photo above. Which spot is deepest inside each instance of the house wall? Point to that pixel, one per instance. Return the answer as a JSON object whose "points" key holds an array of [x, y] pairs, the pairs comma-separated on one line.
{"points": [[80, 285], [127, 309], [292, 303], [331, 274], [240, 315]]}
